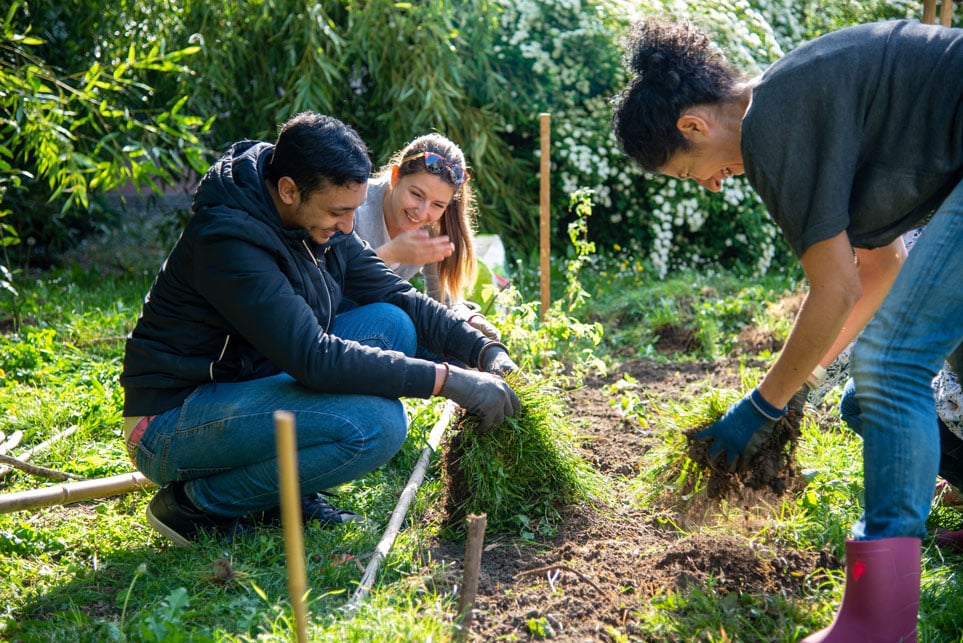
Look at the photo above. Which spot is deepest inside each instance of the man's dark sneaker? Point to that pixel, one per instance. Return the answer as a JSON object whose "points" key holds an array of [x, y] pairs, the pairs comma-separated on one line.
{"points": [[314, 507], [180, 523]]}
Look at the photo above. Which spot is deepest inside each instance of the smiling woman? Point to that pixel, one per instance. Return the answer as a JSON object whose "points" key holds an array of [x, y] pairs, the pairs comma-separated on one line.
{"points": [[420, 217]]}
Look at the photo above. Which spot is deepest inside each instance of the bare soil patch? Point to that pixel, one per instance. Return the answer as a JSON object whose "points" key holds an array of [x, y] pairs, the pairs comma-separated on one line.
{"points": [[606, 563]]}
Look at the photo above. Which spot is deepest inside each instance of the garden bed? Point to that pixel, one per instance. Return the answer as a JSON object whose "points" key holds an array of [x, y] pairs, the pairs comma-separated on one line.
{"points": [[607, 563]]}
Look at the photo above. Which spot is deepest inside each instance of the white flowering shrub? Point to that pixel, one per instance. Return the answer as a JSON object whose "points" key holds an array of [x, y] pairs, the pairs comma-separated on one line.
{"points": [[564, 57]]}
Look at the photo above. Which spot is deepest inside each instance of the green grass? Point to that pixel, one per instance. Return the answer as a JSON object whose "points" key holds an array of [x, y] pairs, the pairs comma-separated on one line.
{"points": [[96, 572]]}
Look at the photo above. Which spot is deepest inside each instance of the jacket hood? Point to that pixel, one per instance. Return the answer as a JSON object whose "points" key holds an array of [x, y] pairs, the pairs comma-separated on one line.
{"points": [[236, 181]]}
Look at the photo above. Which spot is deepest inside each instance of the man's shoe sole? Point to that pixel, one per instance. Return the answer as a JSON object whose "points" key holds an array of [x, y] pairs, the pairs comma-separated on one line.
{"points": [[164, 530]]}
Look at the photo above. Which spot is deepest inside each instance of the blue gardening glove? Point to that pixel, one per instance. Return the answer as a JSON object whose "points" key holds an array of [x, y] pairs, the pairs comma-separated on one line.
{"points": [[741, 431]]}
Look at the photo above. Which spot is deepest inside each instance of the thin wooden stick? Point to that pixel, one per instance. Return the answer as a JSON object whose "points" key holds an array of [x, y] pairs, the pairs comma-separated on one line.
{"points": [[35, 470], [544, 210], [401, 508], [73, 492], [8, 442], [43, 446], [469, 581], [929, 11], [291, 522]]}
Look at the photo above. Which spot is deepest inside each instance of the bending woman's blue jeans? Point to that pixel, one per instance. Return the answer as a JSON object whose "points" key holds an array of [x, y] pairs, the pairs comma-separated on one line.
{"points": [[894, 361], [221, 439]]}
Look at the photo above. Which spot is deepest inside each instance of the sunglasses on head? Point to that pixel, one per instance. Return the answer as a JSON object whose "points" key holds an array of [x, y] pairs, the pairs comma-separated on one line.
{"points": [[437, 164]]}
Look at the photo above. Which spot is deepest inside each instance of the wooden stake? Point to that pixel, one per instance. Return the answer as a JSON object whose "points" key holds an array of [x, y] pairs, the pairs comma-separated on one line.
{"points": [[291, 522], [469, 580], [946, 13], [74, 492], [544, 211], [401, 508]]}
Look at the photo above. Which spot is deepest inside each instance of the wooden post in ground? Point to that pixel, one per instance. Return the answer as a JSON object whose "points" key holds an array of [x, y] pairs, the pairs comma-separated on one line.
{"points": [[291, 522], [544, 227], [946, 12], [469, 581]]}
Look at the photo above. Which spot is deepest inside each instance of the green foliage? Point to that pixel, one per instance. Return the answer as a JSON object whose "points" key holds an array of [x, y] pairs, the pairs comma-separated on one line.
{"points": [[71, 132], [555, 340], [479, 71], [97, 572]]}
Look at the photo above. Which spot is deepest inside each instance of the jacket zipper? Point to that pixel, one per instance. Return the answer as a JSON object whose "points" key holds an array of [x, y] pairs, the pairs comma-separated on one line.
{"points": [[324, 280], [227, 340]]}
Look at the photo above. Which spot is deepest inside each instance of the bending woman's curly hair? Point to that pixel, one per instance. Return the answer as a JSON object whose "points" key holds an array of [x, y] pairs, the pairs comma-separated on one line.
{"points": [[674, 66]]}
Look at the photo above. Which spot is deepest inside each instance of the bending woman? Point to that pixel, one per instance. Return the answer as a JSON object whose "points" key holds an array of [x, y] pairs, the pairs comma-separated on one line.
{"points": [[850, 141]]}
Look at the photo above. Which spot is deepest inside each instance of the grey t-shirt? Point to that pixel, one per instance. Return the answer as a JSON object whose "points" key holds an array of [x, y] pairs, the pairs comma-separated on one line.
{"points": [[860, 130], [369, 224]]}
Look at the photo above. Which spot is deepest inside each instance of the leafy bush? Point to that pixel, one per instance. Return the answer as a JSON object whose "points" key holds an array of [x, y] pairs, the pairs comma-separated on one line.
{"points": [[479, 71], [73, 131]]}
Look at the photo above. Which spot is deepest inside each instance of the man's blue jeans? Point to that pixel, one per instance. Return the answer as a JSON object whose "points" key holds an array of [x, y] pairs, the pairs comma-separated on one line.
{"points": [[221, 440], [894, 361]]}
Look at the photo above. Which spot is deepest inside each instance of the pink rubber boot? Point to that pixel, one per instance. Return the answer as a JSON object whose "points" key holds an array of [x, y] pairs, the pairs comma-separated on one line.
{"points": [[882, 595]]}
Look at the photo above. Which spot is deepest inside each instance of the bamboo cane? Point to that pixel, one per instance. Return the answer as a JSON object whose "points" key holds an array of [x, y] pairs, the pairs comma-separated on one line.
{"points": [[401, 508], [290, 490], [543, 210], [73, 492], [8, 442]]}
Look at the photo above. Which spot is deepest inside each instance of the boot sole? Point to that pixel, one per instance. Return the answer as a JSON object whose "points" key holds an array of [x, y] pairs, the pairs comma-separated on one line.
{"points": [[164, 530]]}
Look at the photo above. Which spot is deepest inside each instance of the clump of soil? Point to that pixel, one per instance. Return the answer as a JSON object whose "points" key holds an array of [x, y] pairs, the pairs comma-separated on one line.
{"points": [[773, 467]]}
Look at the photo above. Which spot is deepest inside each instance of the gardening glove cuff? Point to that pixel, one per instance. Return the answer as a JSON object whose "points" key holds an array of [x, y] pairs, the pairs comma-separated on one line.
{"points": [[741, 431], [494, 359], [481, 394]]}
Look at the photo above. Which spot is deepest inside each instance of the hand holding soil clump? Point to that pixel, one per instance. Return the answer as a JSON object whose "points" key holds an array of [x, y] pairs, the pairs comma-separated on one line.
{"points": [[748, 446]]}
